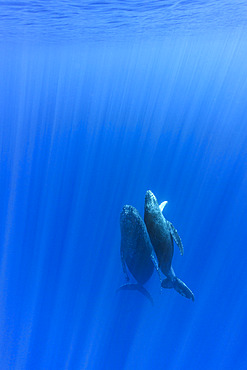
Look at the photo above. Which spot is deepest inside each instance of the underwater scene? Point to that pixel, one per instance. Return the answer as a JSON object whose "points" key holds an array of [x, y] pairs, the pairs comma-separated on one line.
{"points": [[123, 185]]}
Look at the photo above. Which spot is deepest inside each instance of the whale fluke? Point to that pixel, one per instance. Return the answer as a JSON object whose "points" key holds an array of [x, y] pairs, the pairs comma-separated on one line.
{"points": [[138, 287], [179, 286]]}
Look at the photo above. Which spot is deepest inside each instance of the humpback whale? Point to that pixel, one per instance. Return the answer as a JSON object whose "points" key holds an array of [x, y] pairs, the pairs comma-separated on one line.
{"points": [[162, 234], [136, 250]]}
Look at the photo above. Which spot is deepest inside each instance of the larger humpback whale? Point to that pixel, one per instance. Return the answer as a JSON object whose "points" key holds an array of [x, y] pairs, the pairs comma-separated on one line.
{"points": [[162, 233], [136, 250]]}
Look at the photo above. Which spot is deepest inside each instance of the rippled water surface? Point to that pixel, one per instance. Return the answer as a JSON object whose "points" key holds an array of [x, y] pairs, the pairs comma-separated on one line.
{"points": [[97, 20]]}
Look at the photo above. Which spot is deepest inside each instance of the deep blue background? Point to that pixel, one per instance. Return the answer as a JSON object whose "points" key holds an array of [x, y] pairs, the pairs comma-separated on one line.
{"points": [[86, 129]]}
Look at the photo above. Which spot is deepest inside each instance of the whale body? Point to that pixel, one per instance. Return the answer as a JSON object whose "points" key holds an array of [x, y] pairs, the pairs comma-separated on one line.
{"points": [[162, 234], [136, 250]]}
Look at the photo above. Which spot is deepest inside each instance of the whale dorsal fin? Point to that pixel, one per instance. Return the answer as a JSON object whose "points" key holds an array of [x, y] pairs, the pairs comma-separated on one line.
{"points": [[162, 205], [176, 237]]}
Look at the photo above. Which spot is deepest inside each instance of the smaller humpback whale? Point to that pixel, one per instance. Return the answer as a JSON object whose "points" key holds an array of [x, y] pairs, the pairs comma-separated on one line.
{"points": [[162, 233], [136, 250]]}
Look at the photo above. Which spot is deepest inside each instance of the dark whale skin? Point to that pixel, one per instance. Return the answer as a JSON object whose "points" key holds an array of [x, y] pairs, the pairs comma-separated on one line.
{"points": [[159, 233], [136, 248]]}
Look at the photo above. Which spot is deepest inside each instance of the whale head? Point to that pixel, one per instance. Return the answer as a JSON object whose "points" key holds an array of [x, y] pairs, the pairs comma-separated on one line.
{"points": [[150, 200], [129, 217], [128, 211]]}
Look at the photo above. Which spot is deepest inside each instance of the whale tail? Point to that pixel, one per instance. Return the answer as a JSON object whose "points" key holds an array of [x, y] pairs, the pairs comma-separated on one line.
{"points": [[179, 286], [138, 287]]}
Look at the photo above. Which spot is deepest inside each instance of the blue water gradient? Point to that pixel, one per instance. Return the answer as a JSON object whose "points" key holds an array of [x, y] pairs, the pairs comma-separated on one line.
{"points": [[86, 127], [84, 132]]}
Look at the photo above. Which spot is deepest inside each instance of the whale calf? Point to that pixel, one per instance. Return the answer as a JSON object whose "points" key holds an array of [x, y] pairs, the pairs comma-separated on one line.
{"points": [[162, 234], [136, 250]]}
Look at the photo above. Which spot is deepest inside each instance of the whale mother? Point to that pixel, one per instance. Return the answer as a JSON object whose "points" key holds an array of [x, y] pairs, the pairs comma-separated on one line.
{"points": [[136, 250], [162, 233]]}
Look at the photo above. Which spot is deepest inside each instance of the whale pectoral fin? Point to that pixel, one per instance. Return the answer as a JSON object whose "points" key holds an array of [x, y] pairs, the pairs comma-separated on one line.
{"points": [[162, 205], [182, 289], [138, 287], [156, 265], [124, 266], [176, 237]]}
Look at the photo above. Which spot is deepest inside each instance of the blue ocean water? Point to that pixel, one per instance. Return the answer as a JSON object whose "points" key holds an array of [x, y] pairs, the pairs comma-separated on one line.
{"points": [[100, 102]]}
